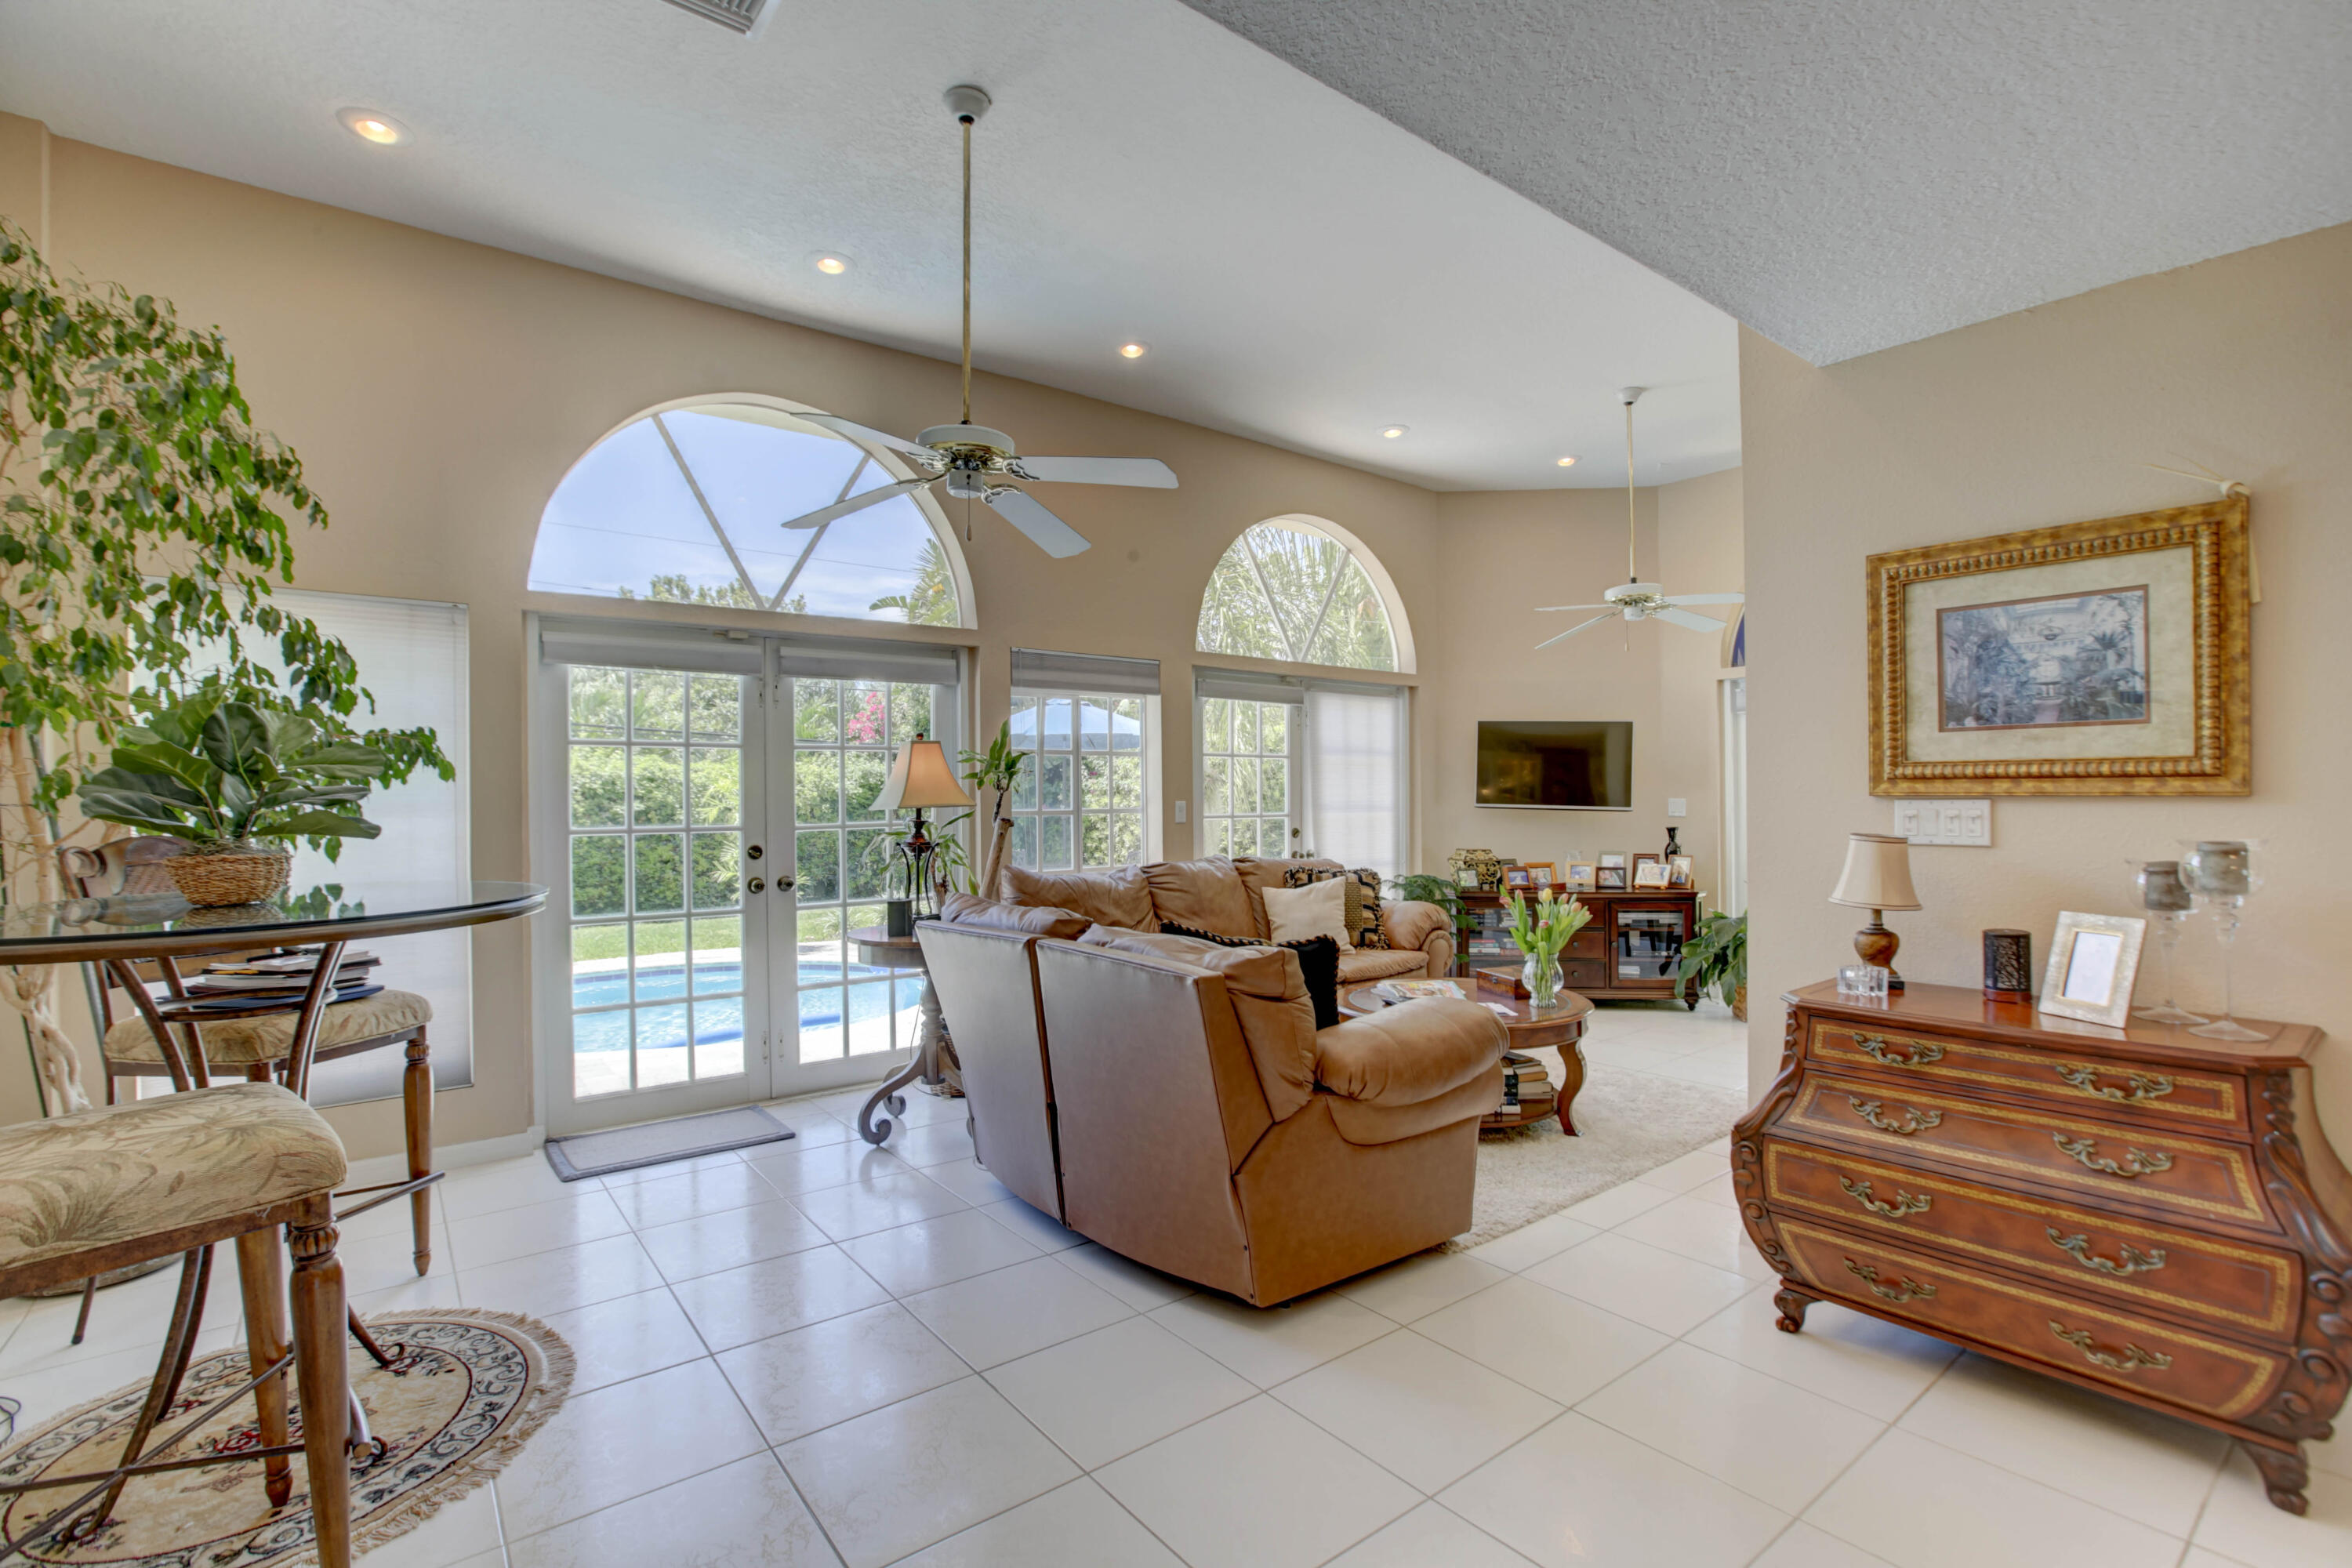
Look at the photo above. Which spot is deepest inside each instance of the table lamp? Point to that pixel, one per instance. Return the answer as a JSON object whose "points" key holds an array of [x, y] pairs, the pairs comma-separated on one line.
{"points": [[1878, 878], [920, 780]]}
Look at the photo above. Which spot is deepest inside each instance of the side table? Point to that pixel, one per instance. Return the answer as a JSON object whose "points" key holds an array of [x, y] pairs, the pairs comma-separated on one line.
{"points": [[1560, 1026], [934, 1063]]}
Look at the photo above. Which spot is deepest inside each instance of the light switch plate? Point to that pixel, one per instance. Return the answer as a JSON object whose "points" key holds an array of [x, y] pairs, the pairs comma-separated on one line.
{"points": [[1966, 822], [1180, 811], [1677, 806]]}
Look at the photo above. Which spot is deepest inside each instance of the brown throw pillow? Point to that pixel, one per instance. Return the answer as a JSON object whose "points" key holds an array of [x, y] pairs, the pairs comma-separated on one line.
{"points": [[962, 908], [1318, 960], [1363, 899], [1117, 897]]}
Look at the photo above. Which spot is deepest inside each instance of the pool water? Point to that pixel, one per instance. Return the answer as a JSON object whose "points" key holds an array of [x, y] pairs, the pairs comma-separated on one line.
{"points": [[717, 1017]]}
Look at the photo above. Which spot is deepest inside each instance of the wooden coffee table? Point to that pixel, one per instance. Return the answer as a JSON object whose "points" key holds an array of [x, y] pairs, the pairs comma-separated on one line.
{"points": [[1560, 1026]]}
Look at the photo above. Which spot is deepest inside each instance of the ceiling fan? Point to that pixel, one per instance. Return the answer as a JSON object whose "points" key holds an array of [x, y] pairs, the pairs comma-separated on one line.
{"points": [[973, 458], [1638, 601]]}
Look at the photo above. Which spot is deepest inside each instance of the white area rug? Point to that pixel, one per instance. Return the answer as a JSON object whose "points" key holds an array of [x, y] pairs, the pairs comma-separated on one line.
{"points": [[1656, 1086]]}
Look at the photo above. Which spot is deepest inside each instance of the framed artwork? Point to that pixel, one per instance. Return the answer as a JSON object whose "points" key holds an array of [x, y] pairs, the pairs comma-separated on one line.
{"points": [[1580, 877], [2094, 960], [1517, 876], [2104, 658], [1610, 878], [1542, 873], [1608, 859], [1680, 872], [1642, 860], [1650, 873]]}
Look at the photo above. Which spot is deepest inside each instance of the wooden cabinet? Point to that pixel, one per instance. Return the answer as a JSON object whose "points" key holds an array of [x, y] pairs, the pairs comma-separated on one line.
{"points": [[1628, 952], [2139, 1211]]}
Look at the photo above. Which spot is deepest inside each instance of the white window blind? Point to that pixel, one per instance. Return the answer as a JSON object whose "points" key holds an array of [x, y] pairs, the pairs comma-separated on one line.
{"points": [[1356, 804]]}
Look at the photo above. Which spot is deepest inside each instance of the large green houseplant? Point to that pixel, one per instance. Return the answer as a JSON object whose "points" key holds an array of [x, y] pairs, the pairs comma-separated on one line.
{"points": [[1716, 959], [143, 520]]}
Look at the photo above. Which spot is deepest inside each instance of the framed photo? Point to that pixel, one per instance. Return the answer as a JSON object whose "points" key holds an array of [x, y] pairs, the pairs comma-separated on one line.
{"points": [[1542, 873], [1609, 878], [1650, 874], [1642, 860], [1517, 876], [1580, 877], [1608, 859], [1681, 872], [2094, 960], [2104, 658]]}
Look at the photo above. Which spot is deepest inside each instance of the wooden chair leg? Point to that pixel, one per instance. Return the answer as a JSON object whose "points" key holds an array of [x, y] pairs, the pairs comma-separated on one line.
{"points": [[416, 1095], [261, 1279], [319, 1313]]}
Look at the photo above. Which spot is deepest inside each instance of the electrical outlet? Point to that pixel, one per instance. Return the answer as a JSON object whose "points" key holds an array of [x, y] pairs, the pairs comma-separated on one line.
{"points": [[1180, 811], [1677, 806], [1966, 822]]}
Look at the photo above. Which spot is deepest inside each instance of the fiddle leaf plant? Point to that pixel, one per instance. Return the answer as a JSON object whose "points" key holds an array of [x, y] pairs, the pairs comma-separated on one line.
{"points": [[1715, 958], [224, 775]]}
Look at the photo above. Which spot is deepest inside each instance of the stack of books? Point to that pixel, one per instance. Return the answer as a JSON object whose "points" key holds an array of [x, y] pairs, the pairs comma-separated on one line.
{"points": [[1525, 1086], [272, 981]]}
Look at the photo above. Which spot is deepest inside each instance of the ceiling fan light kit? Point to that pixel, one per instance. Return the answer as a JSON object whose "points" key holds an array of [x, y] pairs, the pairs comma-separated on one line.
{"points": [[1636, 600], [973, 460]]}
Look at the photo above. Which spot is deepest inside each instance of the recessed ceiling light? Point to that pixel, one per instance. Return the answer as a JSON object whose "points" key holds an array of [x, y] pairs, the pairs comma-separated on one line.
{"points": [[1391, 432], [368, 126], [1567, 462], [832, 264], [1133, 350]]}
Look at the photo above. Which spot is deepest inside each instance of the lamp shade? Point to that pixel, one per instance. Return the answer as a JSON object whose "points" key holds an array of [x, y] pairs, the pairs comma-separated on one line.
{"points": [[1878, 874], [920, 779]]}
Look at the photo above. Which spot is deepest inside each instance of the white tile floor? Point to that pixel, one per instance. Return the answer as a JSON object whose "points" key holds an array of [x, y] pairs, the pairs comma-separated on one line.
{"points": [[822, 1353]]}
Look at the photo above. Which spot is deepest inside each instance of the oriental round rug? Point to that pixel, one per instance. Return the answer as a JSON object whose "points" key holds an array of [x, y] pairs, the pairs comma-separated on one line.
{"points": [[465, 1390]]}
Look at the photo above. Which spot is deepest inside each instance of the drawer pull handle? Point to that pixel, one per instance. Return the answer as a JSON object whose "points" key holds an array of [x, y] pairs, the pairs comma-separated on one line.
{"points": [[2136, 1162], [2131, 1358], [2132, 1260], [1914, 1120], [1922, 1052], [1904, 1204], [1895, 1290], [2139, 1090]]}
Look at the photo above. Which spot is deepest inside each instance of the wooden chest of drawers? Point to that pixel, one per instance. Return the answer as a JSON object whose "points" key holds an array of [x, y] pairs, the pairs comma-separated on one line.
{"points": [[2140, 1211]]}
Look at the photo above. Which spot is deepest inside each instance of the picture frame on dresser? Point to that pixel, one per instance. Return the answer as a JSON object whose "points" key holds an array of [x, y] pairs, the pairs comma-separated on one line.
{"points": [[1580, 877], [2137, 1211], [2093, 963]]}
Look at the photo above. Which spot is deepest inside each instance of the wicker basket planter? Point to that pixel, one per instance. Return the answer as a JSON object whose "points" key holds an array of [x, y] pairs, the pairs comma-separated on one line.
{"points": [[212, 882]]}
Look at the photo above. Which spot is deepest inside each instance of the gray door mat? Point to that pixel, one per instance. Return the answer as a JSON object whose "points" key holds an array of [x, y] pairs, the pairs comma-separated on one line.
{"points": [[658, 1142]]}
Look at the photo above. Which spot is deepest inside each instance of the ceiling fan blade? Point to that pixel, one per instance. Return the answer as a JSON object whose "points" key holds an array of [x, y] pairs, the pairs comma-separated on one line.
{"points": [[1148, 472], [825, 514], [1547, 609], [1046, 532], [868, 435], [1685, 619], [1574, 629], [1708, 599]]}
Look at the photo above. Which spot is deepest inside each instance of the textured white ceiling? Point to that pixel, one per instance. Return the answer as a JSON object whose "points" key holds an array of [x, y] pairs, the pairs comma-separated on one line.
{"points": [[1305, 271], [1844, 175]]}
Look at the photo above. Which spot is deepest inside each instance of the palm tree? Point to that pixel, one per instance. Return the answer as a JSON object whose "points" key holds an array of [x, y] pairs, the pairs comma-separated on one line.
{"points": [[932, 602]]}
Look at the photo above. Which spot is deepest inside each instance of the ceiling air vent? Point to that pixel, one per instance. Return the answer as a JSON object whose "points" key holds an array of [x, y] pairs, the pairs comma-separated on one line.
{"points": [[739, 15]]}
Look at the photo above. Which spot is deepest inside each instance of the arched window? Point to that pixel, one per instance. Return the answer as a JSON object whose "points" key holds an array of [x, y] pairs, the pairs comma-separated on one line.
{"points": [[694, 504], [1297, 588]]}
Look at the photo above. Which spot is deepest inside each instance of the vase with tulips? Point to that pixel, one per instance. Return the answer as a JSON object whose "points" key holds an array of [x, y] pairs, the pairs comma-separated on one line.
{"points": [[1543, 930]]}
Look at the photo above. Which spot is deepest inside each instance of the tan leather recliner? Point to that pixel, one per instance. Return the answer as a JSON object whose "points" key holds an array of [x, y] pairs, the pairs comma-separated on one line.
{"points": [[987, 983], [1204, 1127]]}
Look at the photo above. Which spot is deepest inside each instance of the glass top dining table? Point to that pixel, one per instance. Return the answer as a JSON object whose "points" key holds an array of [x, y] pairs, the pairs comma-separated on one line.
{"points": [[73, 930]]}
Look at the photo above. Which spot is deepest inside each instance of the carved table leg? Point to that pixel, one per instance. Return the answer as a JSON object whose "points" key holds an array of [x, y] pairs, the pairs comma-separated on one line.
{"points": [[1792, 1303], [2284, 1474]]}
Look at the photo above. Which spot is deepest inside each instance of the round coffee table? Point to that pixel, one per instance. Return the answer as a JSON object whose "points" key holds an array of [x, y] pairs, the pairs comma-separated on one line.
{"points": [[1560, 1026]]}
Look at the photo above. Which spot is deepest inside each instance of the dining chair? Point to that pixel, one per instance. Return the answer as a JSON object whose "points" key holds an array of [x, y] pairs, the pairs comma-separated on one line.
{"points": [[94, 1190]]}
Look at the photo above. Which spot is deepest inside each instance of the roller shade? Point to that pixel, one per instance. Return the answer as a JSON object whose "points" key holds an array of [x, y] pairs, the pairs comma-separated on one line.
{"points": [[628, 646], [856, 659], [1034, 669], [1246, 685]]}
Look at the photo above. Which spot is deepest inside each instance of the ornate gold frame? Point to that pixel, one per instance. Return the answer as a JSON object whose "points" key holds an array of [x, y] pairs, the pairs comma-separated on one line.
{"points": [[2222, 761]]}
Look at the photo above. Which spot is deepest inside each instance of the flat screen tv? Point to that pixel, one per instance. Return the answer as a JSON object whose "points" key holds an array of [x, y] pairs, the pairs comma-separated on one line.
{"points": [[1561, 765]]}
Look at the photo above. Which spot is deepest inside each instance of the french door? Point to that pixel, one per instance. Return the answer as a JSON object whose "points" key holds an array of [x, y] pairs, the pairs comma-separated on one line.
{"points": [[711, 839]]}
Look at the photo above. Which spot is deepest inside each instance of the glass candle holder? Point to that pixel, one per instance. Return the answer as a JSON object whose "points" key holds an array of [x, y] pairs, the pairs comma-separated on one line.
{"points": [[2009, 965], [2166, 898], [1867, 980], [2220, 874]]}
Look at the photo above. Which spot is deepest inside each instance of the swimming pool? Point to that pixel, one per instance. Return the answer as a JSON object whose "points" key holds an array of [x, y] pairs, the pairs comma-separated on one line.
{"points": [[717, 1017]]}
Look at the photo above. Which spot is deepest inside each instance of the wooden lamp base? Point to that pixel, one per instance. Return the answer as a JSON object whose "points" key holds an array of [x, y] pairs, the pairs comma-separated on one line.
{"points": [[1875, 945]]}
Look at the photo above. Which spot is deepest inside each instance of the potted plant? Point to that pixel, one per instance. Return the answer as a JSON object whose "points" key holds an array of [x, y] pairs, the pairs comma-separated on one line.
{"points": [[997, 769], [1543, 930], [1716, 959], [239, 782], [1417, 887]]}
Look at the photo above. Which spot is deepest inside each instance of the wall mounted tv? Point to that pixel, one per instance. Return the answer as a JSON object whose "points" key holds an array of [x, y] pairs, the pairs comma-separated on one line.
{"points": [[1561, 765]]}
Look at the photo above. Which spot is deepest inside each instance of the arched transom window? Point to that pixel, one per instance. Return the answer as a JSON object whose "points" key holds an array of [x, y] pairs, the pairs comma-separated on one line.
{"points": [[697, 504], [1293, 588]]}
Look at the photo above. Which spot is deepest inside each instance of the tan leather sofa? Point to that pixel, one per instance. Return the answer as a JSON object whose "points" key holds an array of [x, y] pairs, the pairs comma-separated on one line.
{"points": [[1191, 1115], [1224, 896]]}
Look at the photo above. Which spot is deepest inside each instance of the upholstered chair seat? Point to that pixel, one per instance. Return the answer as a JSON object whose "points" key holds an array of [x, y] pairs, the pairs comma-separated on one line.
{"points": [[158, 1167], [242, 1042]]}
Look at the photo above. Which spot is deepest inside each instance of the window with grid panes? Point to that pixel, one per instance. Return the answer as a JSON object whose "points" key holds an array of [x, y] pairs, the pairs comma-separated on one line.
{"points": [[654, 780], [1081, 798], [1248, 803], [844, 734]]}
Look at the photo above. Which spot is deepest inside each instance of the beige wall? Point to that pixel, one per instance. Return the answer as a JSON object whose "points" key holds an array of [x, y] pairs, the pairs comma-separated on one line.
{"points": [[2052, 415], [1507, 552]]}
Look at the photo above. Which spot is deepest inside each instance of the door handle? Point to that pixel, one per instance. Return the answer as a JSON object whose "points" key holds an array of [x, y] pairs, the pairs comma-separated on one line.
{"points": [[752, 852], [756, 885], [786, 884]]}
